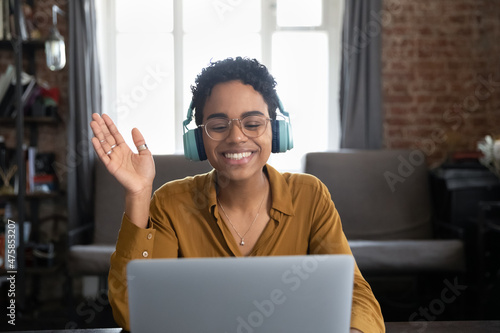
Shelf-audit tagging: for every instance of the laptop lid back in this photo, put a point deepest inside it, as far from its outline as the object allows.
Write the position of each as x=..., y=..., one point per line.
x=244, y=295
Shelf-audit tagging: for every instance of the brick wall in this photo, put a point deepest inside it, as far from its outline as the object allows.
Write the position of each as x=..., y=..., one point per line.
x=52, y=137
x=440, y=74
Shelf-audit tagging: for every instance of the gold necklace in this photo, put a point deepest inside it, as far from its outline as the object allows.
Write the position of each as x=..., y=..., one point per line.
x=242, y=242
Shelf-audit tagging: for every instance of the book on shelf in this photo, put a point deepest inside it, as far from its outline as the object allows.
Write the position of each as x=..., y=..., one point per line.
x=45, y=179
x=30, y=91
x=23, y=33
x=1, y=24
x=6, y=79
x=10, y=262
x=30, y=169
x=45, y=183
x=40, y=176
x=7, y=35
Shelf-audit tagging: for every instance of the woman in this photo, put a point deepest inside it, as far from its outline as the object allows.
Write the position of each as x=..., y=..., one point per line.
x=243, y=207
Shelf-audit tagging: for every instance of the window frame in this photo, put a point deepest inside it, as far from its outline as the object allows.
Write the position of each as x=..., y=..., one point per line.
x=332, y=16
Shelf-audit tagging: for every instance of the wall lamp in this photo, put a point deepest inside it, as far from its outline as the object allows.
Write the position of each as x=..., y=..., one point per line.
x=55, y=50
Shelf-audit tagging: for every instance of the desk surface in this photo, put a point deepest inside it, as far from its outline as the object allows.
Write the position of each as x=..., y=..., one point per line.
x=443, y=326
x=408, y=327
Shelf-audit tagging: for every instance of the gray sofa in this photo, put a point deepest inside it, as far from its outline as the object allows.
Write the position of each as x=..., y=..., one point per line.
x=382, y=196
x=384, y=202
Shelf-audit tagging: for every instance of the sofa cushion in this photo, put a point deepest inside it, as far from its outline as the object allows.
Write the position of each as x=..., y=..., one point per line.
x=379, y=194
x=408, y=256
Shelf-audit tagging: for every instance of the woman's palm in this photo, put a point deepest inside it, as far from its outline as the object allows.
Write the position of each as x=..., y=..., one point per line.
x=134, y=171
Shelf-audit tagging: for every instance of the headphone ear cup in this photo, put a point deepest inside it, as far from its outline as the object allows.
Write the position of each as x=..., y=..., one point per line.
x=287, y=137
x=193, y=145
x=276, y=136
x=200, y=147
x=282, y=136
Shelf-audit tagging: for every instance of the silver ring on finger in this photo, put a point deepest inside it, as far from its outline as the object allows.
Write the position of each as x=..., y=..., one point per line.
x=142, y=147
x=113, y=146
x=102, y=141
x=109, y=152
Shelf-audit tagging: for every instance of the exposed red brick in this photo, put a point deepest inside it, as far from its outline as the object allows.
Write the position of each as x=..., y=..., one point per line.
x=398, y=99
x=399, y=121
x=420, y=132
x=427, y=121
x=400, y=144
x=425, y=99
x=434, y=53
x=51, y=138
x=397, y=110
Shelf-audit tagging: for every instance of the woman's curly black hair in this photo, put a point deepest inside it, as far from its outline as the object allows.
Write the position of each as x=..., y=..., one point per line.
x=248, y=71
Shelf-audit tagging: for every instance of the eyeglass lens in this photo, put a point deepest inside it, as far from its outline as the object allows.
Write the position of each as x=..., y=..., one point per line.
x=251, y=126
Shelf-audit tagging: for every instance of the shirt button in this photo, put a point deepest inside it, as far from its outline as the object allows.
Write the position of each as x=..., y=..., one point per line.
x=150, y=235
x=145, y=254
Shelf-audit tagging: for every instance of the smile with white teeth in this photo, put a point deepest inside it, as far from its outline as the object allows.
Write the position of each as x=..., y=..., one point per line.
x=237, y=156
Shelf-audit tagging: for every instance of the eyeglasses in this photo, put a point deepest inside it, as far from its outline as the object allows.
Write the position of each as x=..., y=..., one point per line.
x=252, y=126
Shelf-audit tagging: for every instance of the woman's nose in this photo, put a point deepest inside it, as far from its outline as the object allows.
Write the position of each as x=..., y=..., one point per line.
x=235, y=132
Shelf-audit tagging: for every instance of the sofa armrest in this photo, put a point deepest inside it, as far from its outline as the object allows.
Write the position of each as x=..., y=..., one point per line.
x=81, y=234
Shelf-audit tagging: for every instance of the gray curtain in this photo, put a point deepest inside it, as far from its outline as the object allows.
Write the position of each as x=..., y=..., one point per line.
x=360, y=83
x=84, y=99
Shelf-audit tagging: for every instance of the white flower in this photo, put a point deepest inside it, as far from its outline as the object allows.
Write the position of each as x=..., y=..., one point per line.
x=496, y=150
x=491, y=154
x=485, y=147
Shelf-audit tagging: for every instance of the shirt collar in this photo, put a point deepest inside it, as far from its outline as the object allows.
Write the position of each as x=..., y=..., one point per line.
x=280, y=191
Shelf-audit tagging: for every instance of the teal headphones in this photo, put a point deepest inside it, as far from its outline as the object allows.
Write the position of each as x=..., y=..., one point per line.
x=193, y=139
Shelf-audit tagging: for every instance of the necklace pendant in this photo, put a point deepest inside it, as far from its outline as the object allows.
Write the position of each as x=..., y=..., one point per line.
x=242, y=242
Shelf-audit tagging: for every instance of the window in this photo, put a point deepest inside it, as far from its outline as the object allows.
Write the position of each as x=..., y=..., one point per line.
x=152, y=50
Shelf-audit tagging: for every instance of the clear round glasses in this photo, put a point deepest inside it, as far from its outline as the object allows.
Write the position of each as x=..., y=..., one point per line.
x=252, y=126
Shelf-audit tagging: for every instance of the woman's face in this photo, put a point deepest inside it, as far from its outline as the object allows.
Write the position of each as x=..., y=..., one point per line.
x=238, y=157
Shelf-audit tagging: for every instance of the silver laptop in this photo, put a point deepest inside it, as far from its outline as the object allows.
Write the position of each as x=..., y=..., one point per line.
x=241, y=295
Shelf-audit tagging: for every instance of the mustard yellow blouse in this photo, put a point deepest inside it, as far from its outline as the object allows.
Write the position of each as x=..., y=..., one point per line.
x=185, y=222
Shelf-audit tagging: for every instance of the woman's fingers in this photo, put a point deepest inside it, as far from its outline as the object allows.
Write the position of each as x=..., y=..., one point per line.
x=107, y=137
x=101, y=130
x=112, y=130
x=103, y=154
x=139, y=142
x=102, y=145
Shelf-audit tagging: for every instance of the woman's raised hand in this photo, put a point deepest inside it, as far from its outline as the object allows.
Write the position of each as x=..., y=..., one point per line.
x=134, y=171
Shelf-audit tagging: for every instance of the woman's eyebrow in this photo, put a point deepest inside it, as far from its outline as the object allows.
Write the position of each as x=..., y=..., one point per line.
x=217, y=115
x=252, y=113
x=245, y=114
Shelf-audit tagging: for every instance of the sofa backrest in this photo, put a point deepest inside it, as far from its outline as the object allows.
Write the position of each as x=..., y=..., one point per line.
x=379, y=194
x=110, y=197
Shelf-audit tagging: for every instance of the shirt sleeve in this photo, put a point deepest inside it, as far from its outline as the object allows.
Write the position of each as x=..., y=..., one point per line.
x=158, y=240
x=327, y=237
x=133, y=243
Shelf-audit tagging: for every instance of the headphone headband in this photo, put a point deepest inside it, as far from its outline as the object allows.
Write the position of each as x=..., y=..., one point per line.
x=189, y=116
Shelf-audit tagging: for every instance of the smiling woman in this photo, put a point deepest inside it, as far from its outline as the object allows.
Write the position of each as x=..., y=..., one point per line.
x=249, y=208
x=149, y=60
